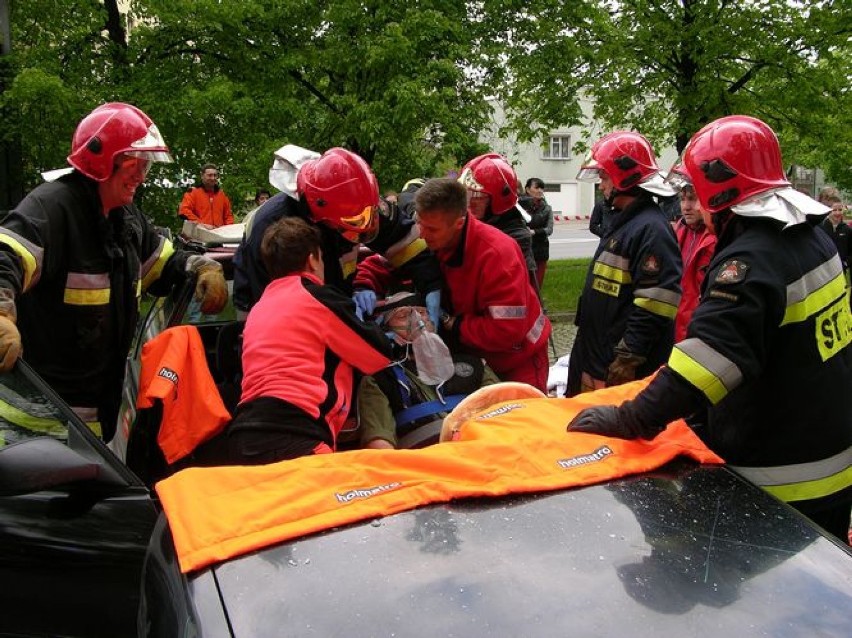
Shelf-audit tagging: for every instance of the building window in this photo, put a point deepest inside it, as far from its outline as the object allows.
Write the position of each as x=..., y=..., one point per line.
x=558, y=147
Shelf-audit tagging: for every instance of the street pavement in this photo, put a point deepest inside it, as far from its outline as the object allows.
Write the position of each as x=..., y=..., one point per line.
x=572, y=240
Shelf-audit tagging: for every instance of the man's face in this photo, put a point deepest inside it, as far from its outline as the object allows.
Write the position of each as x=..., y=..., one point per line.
x=690, y=207
x=440, y=230
x=209, y=178
x=128, y=174
x=477, y=204
x=606, y=185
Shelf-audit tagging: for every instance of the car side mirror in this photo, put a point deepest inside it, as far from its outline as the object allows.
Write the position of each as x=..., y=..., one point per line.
x=40, y=464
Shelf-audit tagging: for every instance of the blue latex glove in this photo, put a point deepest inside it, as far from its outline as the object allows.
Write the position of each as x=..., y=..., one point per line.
x=365, y=303
x=433, y=307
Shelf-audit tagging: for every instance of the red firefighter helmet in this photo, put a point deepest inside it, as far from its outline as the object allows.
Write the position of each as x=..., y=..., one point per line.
x=342, y=192
x=732, y=159
x=491, y=175
x=110, y=130
x=626, y=156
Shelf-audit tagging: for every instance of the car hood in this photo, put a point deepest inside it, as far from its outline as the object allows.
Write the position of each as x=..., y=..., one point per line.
x=691, y=550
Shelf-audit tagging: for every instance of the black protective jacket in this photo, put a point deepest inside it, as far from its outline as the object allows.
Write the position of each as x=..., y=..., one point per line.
x=78, y=277
x=767, y=355
x=631, y=294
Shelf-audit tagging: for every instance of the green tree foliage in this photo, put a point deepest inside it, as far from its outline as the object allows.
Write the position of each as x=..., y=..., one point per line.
x=667, y=67
x=229, y=82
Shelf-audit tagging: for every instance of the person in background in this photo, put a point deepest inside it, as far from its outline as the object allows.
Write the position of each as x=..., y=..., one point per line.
x=491, y=185
x=540, y=224
x=764, y=372
x=600, y=218
x=261, y=196
x=625, y=319
x=75, y=256
x=302, y=344
x=207, y=204
x=697, y=245
x=493, y=310
x=837, y=228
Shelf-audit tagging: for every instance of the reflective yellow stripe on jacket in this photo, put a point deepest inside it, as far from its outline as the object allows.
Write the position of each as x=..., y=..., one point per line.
x=814, y=290
x=31, y=256
x=658, y=301
x=803, y=481
x=712, y=373
x=153, y=266
x=613, y=267
x=86, y=289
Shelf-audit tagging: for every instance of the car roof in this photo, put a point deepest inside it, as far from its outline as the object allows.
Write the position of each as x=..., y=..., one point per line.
x=686, y=550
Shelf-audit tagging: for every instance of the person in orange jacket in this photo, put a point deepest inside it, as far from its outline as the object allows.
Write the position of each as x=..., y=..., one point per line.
x=207, y=204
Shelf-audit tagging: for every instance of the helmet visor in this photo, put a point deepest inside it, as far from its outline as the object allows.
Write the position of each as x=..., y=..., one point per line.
x=589, y=174
x=150, y=146
x=152, y=156
x=362, y=227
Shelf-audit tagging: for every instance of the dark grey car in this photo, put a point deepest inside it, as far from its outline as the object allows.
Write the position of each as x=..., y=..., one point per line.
x=686, y=551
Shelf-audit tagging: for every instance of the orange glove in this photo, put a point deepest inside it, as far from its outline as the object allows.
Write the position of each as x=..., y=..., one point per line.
x=10, y=343
x=210, y=287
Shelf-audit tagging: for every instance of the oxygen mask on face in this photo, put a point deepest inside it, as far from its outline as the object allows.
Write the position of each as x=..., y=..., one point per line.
x=411, y=326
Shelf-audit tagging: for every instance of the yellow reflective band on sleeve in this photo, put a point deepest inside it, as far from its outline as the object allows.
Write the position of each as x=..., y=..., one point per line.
x=408, y=253
x=348, y=267
x=28, y=260
x=702, y=378
x=660, y=308
x=153, y=269
x=82, y=297
x=50, y=427
x=612, y=273
x=815, y=301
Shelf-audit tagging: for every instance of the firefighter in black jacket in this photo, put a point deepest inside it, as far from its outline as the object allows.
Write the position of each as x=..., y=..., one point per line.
x=625, y=320
x=75, y=256
x=338, y=192
x=764, y=371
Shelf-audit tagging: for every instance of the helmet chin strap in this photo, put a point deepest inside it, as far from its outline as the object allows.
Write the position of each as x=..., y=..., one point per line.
x=721, y=219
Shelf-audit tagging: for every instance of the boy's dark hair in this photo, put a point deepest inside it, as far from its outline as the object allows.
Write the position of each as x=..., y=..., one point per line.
x=286, y=245
x=261, y=191
x=534, y=181
x=441, y=193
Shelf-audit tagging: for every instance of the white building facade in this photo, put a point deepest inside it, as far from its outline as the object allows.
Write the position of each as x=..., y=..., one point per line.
x=553, y=161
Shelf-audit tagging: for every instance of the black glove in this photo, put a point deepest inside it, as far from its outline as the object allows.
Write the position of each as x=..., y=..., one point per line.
x=608, y=420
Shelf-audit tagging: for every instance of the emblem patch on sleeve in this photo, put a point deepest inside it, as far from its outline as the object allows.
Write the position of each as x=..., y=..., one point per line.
x=732, y=271
x=651, y=265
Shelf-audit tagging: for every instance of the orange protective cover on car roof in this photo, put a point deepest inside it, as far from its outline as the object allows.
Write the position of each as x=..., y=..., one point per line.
x=512, y=447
